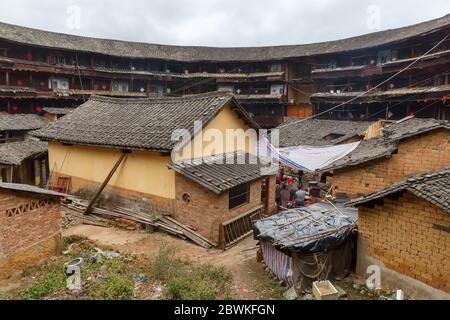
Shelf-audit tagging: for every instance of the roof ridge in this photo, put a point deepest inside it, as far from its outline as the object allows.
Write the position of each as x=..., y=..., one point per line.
x=430, y=175
x=194, y=97
x=213, y=157
x=115, y=47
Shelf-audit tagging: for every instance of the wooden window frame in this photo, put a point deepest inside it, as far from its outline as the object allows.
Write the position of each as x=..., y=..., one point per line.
x=238, y=197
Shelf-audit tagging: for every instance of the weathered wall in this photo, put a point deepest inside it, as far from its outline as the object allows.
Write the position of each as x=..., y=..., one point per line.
x=144, y=172
x=208, y=210
x=402, y=235
x=115, y=196
x=271, y=201
x=419, y=154
x=203, y=145
x=30, y=235
x=51, y=117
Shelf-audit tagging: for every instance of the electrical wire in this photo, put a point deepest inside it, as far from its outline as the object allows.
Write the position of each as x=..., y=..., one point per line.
x=376, y=87
x=79, y=76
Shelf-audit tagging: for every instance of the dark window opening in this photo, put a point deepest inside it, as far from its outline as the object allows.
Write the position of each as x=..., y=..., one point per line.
x=239, y=195
x=333, y=136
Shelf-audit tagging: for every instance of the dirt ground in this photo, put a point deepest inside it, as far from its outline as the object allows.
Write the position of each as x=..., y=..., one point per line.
x=239, y=260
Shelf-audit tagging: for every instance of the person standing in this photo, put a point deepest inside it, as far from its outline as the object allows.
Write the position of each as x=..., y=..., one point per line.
x=278, y=194
x=293, y=187
x=285, y=195
x=300, y=197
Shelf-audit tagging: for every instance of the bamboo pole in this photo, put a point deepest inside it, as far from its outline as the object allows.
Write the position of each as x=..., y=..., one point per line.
x=105, y=183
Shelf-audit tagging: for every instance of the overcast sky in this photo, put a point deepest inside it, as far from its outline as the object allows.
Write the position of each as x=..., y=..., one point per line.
x=220, y=22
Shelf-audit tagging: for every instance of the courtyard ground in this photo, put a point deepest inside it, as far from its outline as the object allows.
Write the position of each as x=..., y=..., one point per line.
x=155, y=266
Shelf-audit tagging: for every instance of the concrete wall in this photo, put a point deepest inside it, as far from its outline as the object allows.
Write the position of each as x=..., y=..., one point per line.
x=29, y=235
x=430, y=151
x=401, y=236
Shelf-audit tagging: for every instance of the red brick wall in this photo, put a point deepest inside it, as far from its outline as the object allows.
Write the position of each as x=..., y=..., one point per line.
x=29, y=237
x=208, y=210
x=29, y=228
x=272, y=205
x=419, y=154
x=401, y=235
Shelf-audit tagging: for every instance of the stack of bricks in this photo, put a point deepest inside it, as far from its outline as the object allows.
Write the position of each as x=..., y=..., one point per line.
x=27, y=236
x=403, y=234
x=427, y=152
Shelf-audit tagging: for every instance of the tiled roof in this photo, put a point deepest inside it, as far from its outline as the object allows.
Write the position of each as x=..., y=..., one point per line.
x=433, y=187
x=58, y=111
x=28, y=188
x=315, y=132
x=378, y=148
x=414, y=94
x=39, y=38
x=412, y=127
x=21, y=122
x=223, y=172
x=14, y=89
x=138, y=124
x=367, y=150
x=15, y=152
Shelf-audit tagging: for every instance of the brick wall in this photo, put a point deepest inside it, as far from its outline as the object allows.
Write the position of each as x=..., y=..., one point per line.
x=401, y=235
x=422, y=153
x=271, y=204
x=208, y=210
x=27, y=231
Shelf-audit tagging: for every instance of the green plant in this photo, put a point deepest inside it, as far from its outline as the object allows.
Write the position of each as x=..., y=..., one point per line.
x=53, y=280
x=190, y=287
x=186, y=281
x=166, y=266
x=118, y=285
x=114, y=287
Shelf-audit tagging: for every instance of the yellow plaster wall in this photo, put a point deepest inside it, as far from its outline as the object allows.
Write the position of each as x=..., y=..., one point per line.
x=227, y=119
x=144, y=172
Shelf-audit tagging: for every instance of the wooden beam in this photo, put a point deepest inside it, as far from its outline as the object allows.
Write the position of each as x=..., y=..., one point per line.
x=105, y=183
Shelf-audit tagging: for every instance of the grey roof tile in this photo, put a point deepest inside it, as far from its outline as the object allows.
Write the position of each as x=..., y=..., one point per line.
x=138, y=124
x=42, y=38
x=431, y=186
x=58, y=111
x=378, y=148
x=15, y=153
x=21, y=122
x=316, y=132
x=29, y=188
x=223, y=172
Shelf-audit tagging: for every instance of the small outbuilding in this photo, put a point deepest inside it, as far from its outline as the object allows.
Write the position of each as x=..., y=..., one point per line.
x=30, y=227
x=304, y=245
x=222, y=196
x=24, y=162
x=405, y=229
